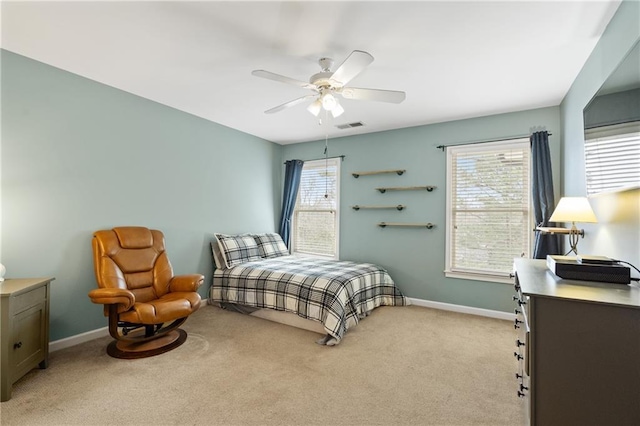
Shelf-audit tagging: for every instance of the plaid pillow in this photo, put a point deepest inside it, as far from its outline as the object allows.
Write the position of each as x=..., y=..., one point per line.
x=238, y=249
x=271, y=245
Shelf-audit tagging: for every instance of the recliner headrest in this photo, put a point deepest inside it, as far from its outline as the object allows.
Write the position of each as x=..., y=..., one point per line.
x=134, y=237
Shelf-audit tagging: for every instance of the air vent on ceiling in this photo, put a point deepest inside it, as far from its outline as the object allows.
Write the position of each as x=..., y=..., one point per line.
x=350, y=125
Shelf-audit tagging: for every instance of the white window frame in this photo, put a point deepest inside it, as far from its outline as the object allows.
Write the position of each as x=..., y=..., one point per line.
x=294, y=244
x=450, y=271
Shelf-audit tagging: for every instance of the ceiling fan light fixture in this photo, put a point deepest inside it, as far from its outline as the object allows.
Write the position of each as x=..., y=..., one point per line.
x=329, y=101
x=337, y=110
x=315, y=107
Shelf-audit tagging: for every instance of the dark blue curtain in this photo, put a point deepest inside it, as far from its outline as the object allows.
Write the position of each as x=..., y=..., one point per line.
x=292, y=175
x=542, y=194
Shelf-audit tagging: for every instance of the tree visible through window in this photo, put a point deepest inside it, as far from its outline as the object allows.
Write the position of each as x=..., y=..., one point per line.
x=315, y=217
x=488, y=208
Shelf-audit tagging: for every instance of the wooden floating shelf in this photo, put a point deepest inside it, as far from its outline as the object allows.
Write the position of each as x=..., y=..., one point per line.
x=399, y=172
x=407, y=225
x=398, y=207
x=406, y=188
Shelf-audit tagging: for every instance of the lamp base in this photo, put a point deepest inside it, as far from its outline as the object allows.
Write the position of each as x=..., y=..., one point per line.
x=574, y=234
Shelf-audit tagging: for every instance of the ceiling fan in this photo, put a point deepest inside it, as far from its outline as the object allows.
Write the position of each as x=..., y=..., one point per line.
x=327, y=84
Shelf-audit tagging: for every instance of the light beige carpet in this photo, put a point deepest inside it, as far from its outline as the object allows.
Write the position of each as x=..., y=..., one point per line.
x=401, y=365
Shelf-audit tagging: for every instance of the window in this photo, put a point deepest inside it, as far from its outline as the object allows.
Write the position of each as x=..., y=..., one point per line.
x=612, y=157
x=316, y=215
x=488, y=213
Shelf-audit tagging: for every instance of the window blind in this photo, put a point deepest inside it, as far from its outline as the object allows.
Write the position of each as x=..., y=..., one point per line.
x=612, y=157
x=489, y=216
x=315, y=217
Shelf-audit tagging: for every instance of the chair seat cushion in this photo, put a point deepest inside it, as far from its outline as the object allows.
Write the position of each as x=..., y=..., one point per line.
x=167, y=308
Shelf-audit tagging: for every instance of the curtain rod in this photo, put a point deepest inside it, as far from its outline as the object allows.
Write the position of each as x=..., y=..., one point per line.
x=442, y=147
x=323, y=158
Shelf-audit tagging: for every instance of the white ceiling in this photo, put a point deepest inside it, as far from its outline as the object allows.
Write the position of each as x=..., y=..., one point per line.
x=454, y=59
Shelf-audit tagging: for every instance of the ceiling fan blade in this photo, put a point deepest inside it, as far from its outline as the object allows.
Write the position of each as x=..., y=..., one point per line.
x=289, y=104
x=352, y=66
x=392, y=96
x=281, y=78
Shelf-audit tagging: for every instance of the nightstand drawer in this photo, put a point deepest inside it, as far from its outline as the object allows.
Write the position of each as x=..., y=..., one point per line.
x=29, y=299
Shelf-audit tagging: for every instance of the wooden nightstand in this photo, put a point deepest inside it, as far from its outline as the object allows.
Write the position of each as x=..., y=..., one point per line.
x=24, y=333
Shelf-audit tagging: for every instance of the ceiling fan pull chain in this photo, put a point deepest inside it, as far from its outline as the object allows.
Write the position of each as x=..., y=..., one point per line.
x=326, y=158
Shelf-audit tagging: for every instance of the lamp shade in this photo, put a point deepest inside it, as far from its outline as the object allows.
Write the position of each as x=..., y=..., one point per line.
x=573, y=209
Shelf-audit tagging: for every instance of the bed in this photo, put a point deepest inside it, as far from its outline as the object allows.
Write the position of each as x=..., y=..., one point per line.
x=257, y=273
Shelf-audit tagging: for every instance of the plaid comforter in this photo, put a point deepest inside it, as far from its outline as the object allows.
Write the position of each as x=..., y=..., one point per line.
x=336, y=293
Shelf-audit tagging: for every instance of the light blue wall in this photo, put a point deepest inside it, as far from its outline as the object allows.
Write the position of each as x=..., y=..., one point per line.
x=415, y=256
x=78, y=156
x=617, y=234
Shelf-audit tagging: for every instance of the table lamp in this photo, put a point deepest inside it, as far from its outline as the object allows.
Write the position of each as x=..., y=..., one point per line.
x=574, y=209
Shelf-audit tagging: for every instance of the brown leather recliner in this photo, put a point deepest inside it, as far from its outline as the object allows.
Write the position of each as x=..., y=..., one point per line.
x=140, y=293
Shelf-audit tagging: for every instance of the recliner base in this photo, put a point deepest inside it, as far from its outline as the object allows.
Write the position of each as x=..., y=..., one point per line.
x=126, y=349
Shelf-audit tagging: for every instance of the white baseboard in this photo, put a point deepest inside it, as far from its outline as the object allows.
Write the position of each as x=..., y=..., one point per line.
x=462, y=309
x=77, y=339
x=104, y=331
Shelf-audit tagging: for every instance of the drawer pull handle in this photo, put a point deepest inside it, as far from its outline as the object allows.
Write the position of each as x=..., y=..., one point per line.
x=520, y=394
x=518, y=376
x=523, y=387
x=517, y=311
x=519, y=343
x=517, y=355
x=17, y=345
x=517, y=299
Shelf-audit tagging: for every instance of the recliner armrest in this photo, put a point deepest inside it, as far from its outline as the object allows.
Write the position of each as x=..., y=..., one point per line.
x=110, y=296
x=188, y=282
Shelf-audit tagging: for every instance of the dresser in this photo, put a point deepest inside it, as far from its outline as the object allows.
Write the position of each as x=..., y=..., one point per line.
x=578, y=349
x=24, y=334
